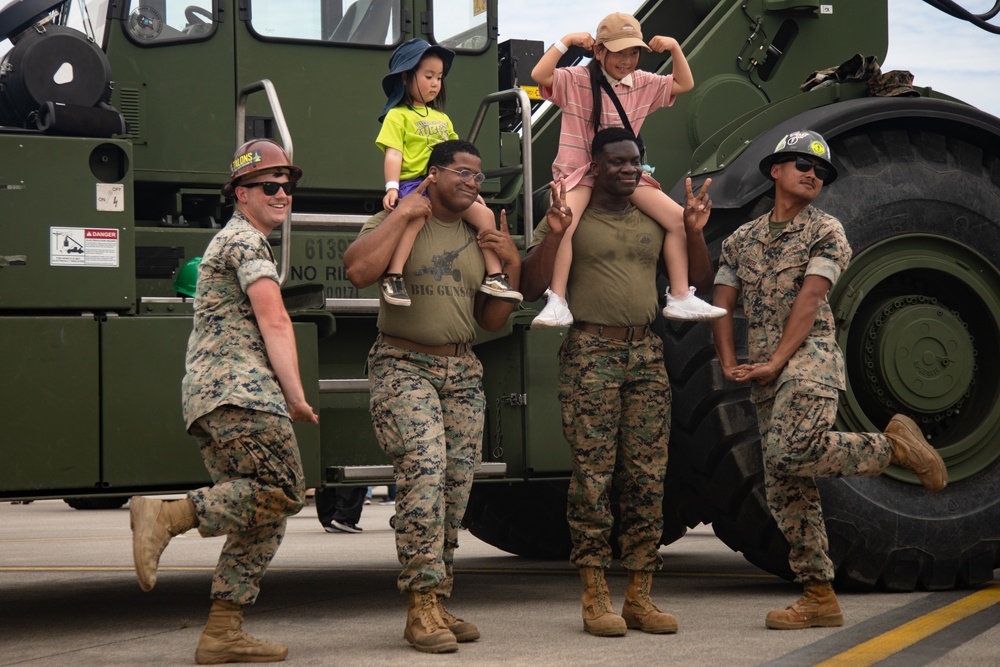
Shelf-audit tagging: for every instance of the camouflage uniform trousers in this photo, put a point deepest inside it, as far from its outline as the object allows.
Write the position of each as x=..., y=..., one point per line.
x=428, y=412
x=799, y=445
x=255, y=465
x=615, y=407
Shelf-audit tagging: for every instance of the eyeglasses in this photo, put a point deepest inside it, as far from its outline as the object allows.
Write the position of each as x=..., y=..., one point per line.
x=804, y=164
x=465, y=175
x=271, y=188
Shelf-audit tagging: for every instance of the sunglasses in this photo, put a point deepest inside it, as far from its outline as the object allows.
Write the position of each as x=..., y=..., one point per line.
x=465, y=175
x=804, y=164
x=271, y=188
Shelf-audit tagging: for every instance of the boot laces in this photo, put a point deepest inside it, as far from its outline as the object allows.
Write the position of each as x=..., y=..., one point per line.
x=429, y=615
x=601, y=588
x=642, y=594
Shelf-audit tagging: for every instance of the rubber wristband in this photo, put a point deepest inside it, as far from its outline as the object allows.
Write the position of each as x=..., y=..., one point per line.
x=560, y=47
x=391, y=185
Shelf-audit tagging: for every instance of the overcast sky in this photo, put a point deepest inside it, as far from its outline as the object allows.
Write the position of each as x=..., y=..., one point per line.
x=947, y=54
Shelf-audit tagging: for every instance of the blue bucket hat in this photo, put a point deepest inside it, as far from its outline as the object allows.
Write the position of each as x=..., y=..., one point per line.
x=405, y=58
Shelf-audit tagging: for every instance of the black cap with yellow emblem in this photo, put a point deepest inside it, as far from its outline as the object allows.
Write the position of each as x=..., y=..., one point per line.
x=801, y=142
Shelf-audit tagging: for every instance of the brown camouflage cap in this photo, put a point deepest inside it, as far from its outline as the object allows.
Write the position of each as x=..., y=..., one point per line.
x=897, y=83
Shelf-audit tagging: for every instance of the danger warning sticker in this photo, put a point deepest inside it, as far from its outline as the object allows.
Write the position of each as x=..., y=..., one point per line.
x=78, y=246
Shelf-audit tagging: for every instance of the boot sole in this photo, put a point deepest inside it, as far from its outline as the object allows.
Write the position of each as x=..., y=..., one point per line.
x=141, y=510
x=205, y=658
x=833, y=621
x=509, y=297
x=449, y=647
x=614, y=632
x=663, y=630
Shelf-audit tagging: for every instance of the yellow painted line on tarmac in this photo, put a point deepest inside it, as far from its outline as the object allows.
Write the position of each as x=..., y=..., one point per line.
x=879, y=648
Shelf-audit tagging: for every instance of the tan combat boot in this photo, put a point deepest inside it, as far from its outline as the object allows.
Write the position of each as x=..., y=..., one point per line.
x=153, y=523
x=913, y=452
x=817, y=608
x=639, y=611
x=223, y=639
x=463, y=630
x=598, y=616
x=425, y=629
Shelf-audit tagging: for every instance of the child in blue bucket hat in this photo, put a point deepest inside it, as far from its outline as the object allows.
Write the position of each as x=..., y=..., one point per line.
x=413, y=122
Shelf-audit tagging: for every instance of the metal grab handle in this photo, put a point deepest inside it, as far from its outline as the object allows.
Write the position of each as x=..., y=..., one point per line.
x=525, y=167
x=286, y=143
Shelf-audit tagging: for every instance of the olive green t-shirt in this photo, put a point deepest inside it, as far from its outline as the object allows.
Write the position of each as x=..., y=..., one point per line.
x=613, y=277
x=443, y=275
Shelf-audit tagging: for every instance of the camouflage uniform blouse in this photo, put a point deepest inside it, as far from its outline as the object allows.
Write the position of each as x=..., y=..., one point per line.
x=227, y=362
x=769, y=273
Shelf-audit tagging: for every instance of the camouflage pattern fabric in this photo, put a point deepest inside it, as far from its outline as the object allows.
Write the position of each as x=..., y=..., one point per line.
x=769, y=273
x=258, y=482
x=428, y=412
x=226, y=360
x=615, y=407
x=897, y=83
x=799, y=445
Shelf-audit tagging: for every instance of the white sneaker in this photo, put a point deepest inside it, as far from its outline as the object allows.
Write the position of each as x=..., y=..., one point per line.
x=690, y=308
x=554, y=314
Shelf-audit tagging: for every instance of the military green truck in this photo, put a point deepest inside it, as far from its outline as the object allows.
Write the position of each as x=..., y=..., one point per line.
x=118, y=120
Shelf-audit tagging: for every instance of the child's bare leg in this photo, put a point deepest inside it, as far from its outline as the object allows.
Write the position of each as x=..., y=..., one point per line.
x=682, y=304
x=481, y=217
x=393, y=285
x=495, y=283
x=556, y=311
x=668, y=214
x=404, y=247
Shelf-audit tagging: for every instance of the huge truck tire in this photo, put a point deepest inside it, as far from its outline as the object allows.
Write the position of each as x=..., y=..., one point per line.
x=529, y=519
x=94, y=503
x=918, y=314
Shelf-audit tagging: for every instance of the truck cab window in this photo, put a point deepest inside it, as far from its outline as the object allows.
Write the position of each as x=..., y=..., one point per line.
x=462, y=25
x=361, y=22
x=155, y=22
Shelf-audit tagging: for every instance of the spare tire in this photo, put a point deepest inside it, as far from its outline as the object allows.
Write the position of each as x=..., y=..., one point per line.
x=95, y=503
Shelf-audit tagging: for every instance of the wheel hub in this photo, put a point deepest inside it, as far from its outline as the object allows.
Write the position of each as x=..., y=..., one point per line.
x=920, y=354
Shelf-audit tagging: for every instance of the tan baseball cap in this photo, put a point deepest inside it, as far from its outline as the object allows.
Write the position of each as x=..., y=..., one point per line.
x=619, y=31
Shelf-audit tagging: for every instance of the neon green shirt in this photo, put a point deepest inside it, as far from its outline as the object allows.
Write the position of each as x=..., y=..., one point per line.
x=414, y=132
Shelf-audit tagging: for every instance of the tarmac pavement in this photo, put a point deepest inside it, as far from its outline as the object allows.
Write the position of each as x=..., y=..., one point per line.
x=68, y=596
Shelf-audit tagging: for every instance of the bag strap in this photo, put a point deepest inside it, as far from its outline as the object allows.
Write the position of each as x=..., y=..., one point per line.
x=606, y=85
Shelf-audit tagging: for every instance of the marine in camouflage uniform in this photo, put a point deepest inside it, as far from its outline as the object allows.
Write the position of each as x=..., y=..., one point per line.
x=796, y=411
x=240, y=395
x=235, y=409
x=613, y=384
x=783, y=265
x=427, y=400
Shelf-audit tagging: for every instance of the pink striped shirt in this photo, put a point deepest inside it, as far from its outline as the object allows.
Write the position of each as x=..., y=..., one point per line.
x=572, y=93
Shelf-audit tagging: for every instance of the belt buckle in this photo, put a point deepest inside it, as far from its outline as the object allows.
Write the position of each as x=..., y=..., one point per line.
x=629, y=334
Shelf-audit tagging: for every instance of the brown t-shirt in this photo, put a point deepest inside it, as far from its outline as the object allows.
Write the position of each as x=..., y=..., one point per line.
x=443, y=274
x=613, y=277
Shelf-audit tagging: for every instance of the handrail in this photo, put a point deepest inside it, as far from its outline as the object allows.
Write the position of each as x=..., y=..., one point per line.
x=525, y=166
x=286, y=143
